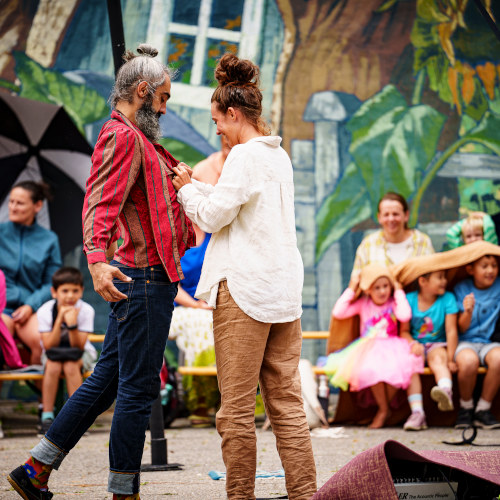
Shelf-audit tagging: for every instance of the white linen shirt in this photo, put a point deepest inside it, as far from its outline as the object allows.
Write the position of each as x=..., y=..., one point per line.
x=250, y=213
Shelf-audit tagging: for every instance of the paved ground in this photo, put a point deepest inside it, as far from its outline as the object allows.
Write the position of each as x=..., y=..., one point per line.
x=84, y=473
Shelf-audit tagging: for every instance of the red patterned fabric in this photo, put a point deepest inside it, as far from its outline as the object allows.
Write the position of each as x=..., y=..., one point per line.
x=130, y=193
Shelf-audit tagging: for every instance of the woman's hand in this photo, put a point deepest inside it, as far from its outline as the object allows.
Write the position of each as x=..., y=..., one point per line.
x=182, y=176
x=201, y=304
x=22, y=314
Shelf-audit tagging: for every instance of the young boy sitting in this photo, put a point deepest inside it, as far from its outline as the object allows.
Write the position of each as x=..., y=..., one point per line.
x=477, y=226
x=432, y=332
x=478, y=299
x=64, y=323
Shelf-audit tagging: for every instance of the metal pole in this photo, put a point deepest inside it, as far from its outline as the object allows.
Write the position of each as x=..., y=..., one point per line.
x=116, y=31
x=159, y=460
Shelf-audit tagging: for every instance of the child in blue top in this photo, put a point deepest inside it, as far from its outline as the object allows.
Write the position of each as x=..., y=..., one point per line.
x=478, y=299
x=432, y=332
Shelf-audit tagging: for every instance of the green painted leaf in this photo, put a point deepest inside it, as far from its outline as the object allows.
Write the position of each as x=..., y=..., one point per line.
x=348, y=205
x=495, y=103
x=385, y=101
x=83, y=104
x=487, y=132
x=429, y=10
x=479, y=104
x=430, y=56
x=9, y=85
x=182, y=151
x=386, y=5
x=368, y=152
x=410, y=148
x=393, y=143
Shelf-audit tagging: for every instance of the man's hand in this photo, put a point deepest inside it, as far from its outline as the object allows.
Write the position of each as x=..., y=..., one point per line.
x=182, y=177
x=22, y=314
x=102, y=276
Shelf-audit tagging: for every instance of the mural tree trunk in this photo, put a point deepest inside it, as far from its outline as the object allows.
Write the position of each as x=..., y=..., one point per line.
x=340, y=45
x=36, y=28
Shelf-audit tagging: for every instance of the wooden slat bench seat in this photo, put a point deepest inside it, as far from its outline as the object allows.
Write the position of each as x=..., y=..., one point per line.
x=348, y=412
x=33, y=376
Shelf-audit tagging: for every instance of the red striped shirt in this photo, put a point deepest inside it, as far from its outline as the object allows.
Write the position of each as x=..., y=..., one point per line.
x=130, y=193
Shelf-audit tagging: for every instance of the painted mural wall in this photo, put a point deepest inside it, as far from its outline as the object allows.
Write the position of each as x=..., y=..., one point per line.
x=369, y=96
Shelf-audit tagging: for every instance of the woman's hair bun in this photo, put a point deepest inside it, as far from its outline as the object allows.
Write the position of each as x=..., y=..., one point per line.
x=145, y=49
x=233, y=70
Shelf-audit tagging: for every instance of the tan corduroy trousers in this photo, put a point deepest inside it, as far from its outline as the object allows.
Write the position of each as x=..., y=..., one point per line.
x=249, y=352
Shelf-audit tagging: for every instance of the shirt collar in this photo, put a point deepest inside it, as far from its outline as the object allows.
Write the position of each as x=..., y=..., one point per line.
x=270, y=140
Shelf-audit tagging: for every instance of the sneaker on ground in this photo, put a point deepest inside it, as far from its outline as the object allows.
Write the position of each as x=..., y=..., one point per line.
x=20, y=481
x=44, y=426
x=464, y=418
x=442, y=397
x=485, y=420
x=416, y=422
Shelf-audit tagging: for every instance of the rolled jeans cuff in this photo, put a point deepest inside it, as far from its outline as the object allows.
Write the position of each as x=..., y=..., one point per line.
x=124, y=483
x=48, y=453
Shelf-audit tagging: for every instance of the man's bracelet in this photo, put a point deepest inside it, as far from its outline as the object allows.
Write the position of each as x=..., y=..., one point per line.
x=72, y=327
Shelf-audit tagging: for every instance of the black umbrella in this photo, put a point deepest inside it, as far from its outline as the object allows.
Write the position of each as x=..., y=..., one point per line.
x=39, y=141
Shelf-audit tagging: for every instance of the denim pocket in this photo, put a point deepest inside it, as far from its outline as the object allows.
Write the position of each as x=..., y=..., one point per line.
x=120, y=308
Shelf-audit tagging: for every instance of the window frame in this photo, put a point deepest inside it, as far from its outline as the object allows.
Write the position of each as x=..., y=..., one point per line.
x=195, y=94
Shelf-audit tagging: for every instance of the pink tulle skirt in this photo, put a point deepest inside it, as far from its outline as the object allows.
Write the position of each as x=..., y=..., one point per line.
x=370, y=360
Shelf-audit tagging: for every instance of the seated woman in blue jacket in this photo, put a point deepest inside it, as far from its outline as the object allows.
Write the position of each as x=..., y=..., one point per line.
x=29, y=255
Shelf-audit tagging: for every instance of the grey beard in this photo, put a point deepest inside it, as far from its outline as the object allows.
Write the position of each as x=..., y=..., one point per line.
x=148, y=120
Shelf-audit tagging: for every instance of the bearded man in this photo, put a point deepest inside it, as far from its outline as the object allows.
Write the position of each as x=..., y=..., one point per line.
x=129, y=194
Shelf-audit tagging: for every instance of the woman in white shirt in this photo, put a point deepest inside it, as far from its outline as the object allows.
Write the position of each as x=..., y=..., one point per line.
x=395, y=242
x=252, y=276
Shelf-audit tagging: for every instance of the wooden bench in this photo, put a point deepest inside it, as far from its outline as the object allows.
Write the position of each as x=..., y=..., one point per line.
x=33, y=376
x=348, y=411
x=212, y=370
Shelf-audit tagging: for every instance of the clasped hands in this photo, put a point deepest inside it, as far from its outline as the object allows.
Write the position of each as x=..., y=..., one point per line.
x=182, y=175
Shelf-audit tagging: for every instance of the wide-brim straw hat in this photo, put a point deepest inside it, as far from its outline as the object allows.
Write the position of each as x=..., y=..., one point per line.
x=453, y=262
x=371, y=273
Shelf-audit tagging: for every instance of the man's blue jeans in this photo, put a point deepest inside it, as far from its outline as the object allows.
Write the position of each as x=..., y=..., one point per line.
x=128, y=370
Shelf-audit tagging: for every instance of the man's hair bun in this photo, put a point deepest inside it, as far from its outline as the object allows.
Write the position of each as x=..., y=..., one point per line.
x=235, y=71
x=145, y=49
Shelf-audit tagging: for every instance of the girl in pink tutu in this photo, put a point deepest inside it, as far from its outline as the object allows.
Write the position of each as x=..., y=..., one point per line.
x=379, y=358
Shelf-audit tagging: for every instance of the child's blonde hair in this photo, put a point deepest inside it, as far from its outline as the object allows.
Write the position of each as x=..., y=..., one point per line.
x=472, y=222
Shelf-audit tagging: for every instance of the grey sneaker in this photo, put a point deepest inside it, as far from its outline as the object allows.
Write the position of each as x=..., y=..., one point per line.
x=464, y=418
x=442, y=396
x=416, y=422
x=485, y=420
x=44, y=427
